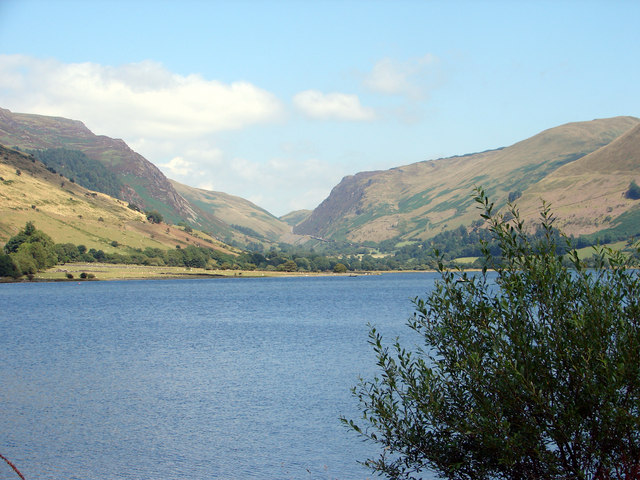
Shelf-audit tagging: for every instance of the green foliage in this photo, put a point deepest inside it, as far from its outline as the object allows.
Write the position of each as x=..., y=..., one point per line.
x=531, y=372
x=7, y=266
x=634, y=191
x=340, y=268
x=288, y=266
x=86, y=171
x=31, y=250
x=25, y=263
x=154, y=216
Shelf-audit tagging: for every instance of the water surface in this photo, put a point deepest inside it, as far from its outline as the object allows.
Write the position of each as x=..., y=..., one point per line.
x=201, y=379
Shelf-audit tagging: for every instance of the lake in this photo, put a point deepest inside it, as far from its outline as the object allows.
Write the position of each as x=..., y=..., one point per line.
x=200, y=379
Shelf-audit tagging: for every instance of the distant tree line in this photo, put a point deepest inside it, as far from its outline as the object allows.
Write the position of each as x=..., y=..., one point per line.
x=32, y=250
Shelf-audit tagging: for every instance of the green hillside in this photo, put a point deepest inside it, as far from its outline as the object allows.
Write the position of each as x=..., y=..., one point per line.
x=418, y=201
x=85, y=171
x=143, y=183
x=241, y=220
x=296, y=217
x=70, y=213
x=589, y=195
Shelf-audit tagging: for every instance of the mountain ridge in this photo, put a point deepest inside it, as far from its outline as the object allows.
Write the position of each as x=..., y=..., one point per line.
x=407, y=203
x=419, y=200
x=144, y=185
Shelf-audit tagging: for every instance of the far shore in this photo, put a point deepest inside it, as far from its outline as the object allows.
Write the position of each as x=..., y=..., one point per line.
x=73, y=272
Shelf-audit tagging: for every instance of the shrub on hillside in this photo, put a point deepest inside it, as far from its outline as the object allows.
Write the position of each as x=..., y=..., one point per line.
x=634, y=191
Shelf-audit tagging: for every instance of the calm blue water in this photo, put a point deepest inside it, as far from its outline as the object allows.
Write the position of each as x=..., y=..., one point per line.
x=199, y=379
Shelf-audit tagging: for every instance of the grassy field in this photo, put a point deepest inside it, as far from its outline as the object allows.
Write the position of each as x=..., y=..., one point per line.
x=107, y=271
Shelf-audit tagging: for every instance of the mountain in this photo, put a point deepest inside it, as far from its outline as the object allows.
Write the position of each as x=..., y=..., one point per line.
x=138, y=181
x=144, y=184
x=418, y=201
x=583, y=169
x=69, y=213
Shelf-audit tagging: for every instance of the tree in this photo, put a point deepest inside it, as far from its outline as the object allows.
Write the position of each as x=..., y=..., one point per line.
x=288, y=266
x=154, y=216
x=7, y=267
x=531, y=372
x=634, y=191
x=31, y=250
x=340, y=268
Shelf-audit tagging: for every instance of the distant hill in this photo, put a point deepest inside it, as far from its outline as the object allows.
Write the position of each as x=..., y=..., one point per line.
x=237, y=214
x=296, y=217
x=417, y=201
x=583, y=169
x=69, y=213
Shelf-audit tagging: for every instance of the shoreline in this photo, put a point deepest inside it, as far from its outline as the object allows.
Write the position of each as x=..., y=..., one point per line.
x=111, y=272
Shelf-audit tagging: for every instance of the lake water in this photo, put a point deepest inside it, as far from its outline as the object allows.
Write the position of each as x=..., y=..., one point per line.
x=200, y=379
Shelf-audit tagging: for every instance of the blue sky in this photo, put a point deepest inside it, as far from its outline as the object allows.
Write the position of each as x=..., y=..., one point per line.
x=276, y=101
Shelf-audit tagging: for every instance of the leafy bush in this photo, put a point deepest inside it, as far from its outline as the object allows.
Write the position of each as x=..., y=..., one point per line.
x=340, y=268
x=529, y=373
x=634, y=191
x=31, y=250
x=153, y=216
x=7, y=267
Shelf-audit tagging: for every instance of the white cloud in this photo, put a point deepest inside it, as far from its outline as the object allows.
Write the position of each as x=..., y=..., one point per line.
x=177, y=167
x=278, y=185
x=337, y=106
x=183, y=124
x=407, y=78
x=135, y=100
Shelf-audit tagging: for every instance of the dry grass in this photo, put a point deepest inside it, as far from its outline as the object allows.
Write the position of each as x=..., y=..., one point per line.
x=72, y=214
x=107, y=271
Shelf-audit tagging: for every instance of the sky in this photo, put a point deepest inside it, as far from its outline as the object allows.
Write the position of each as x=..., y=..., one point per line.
x=277, y=101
